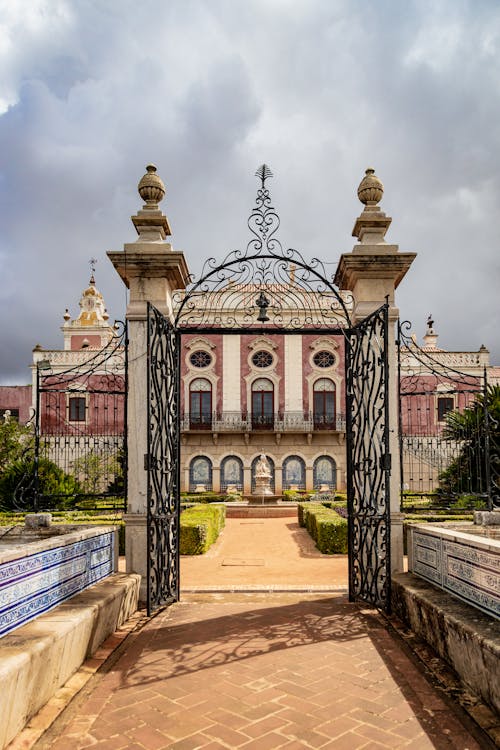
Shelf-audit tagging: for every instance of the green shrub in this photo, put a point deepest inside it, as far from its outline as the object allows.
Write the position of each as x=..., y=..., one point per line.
x=331, y=534
x=297, y=495
x=326, y=527
x=464, y=502
x=304, y=511
x=203, y=497
x=17, y=484
x=200, y=527
x=334, y=504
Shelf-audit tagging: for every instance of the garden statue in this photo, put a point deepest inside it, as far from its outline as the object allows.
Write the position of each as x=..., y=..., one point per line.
x=263, y=476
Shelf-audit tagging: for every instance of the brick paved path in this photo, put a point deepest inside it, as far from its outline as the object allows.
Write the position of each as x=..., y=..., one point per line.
x=263, y=552
x=261, y=671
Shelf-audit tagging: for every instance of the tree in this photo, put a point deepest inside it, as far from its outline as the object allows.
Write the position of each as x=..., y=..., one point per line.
x=476, y=432
x=18, y=485
x=16, y=443
x=95, y=471
x=18, y=482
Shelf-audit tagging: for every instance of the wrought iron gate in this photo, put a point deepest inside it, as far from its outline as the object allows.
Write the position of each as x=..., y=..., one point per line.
x=80, y=447
x=268, y=289
x=163, y=464
x=449, y=438
x=368, y=460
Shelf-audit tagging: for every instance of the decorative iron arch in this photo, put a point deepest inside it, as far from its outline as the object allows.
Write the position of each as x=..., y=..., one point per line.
x=250, y=288
x=262, y=284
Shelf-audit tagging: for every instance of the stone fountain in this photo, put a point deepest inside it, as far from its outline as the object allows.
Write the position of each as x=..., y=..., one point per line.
x=262, y=477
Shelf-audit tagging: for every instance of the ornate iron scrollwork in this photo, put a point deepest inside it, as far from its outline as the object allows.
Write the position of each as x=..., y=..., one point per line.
x=449, y=442
x=368, y=460
x=80, y=426
x=163, y=461
x=298, y=294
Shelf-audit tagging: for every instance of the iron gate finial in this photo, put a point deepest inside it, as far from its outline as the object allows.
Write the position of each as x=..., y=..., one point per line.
x=263, y=173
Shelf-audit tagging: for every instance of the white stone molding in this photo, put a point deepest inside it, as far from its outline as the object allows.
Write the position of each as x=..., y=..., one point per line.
x=77, y=390
x=263, y=342
x=201, y=374
x=326, y=343
x=330, y=374
x=200, y=343
x=293, y=373
x=231, y=373
x=256, y=374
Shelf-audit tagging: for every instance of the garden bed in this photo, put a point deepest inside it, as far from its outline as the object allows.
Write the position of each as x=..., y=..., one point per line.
x=326, y=526
x=200, y=528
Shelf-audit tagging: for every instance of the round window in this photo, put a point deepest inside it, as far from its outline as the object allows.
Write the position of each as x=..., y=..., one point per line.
x=324, y=359
x=200, y=359
x=262, y=359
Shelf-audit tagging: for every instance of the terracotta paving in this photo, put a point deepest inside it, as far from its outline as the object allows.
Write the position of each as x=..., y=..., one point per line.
x=263, y=553
x=262, y=670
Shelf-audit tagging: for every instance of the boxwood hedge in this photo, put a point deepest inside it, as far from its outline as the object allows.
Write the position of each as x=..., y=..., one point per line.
x=326, y=526
x=200, y=527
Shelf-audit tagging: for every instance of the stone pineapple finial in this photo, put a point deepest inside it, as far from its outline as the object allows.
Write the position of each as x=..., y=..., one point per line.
x=151, y=187
x=371, y=189
x=150, y=222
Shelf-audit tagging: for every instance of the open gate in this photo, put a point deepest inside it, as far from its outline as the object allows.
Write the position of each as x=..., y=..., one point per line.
x=266, y=289
x=163, y=461
x=368, y=460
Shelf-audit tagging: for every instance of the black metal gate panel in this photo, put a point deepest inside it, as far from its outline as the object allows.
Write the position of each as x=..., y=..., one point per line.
x=449, y=437
x=368, y=460
x=80, y=431
x=163, y=461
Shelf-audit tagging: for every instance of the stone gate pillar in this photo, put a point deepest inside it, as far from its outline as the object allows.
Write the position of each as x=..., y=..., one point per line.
x=372, y=272
x=151, y=270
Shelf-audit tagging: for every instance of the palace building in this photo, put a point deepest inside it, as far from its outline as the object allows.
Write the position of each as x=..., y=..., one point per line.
x=242, y=395
x=251, y=391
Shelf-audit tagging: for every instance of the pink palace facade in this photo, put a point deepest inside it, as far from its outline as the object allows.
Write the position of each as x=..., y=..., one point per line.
x=243, y=395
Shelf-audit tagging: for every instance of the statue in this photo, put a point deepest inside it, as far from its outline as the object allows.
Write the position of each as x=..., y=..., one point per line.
x=263, y=477
x=262, y=468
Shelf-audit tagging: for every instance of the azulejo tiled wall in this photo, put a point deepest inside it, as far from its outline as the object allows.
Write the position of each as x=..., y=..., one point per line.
x=465, y=565
x=33, y=584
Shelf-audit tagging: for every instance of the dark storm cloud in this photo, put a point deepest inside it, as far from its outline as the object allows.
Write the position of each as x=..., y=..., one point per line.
x=91, y=92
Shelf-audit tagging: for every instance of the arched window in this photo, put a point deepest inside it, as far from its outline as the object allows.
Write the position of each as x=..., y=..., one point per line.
x=200, y=404
x=271, y=466
x=294, y=473
x=262, y=404
x=325, y=474
x=324, y=404
x=200, y=474
x=231, y=473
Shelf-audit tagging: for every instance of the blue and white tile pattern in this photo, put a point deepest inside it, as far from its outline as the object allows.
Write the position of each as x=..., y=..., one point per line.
x=33, y=584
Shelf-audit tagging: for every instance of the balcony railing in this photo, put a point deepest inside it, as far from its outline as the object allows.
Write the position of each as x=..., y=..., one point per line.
x=288, y=421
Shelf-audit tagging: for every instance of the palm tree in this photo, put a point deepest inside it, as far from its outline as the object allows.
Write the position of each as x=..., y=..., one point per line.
x=476, y=432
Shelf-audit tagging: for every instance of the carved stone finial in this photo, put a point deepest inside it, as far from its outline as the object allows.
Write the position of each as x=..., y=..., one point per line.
x=371, y=189
x=151, y=187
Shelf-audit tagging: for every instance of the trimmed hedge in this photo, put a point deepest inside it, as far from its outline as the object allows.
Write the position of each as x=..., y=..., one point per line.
x=205, y=497
x=326, y=526
x=200, y=527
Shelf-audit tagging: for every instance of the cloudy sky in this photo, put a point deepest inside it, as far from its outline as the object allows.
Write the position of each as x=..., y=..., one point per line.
x=93, y=90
